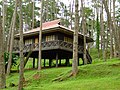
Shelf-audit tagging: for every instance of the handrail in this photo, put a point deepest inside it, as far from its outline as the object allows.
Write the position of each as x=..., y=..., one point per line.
x=49, y=44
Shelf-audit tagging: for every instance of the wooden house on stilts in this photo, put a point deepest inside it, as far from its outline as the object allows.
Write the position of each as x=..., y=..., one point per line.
x=57, y=44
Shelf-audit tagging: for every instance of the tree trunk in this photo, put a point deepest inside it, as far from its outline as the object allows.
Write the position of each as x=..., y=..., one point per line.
x=101, y=27
x=109, y=26
x=119, y=42
x=2, y=63
x=33, y=14
x=56, y=10
x=21, y=72
x=115, y=32
x=71, y=14
x=111, y=34
x=4, y=21
x=84, y=32
x=102, y=33
x=98, y=32
x=40, y=38
x=75, y=42
x=47, y=16
x=9, y=34
x=52, y=10
x=12, y=40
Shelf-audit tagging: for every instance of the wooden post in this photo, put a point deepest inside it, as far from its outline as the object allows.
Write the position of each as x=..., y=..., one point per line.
x=56, y=59
x=60, y=62
x=67, y=62
x=83, y=60
x=50, y=62
x=37, y=62
x=33, y=62
x=44, y=62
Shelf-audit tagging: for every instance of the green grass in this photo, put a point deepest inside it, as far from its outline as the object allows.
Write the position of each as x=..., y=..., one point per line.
x=97, y=76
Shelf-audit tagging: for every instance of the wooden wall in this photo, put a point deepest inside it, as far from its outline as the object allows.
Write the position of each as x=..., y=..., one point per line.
x=53, y=36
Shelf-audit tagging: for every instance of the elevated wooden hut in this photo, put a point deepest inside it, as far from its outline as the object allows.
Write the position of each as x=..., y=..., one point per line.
x=57, y=43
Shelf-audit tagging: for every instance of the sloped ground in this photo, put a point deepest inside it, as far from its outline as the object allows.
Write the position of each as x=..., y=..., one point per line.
x=97, y=76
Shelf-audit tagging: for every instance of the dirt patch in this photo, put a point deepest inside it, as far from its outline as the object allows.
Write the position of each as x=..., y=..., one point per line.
x=36, y=76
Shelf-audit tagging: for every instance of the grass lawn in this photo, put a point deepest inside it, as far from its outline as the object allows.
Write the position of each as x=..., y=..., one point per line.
x=97, y=76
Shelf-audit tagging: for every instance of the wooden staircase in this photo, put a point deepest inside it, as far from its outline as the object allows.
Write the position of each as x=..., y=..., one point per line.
x=89, y=58
x=27, y=55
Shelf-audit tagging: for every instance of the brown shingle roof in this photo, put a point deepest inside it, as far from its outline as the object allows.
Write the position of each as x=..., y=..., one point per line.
x=53, y=25
x=46, y=25
x=50, y=23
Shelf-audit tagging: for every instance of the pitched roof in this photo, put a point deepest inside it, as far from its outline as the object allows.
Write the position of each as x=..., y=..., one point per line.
x=50, y=23
x=46, y=25
x=50, y=26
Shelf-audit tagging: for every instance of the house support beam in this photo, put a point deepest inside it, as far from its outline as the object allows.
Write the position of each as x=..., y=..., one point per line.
x=37, y=62
x=83, y=60
x=67, y=62
x=33, y=62
x=44, y=62
x=60, y=62
x=56, y=59
x=50, y=62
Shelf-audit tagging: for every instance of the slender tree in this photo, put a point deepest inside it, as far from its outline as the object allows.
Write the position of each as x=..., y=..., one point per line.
x=47, y=18
x=12, y=40
x=98, y=34
x=105, y=3
x=21, y=73
x=75, y=42
x=71, y=13
x=4, y=20
x=115, y=31
x=97, y=24
x=102, y=32
x=101, y=25
x=40, y=37
x=84, y=32
x=10, y=31
x=9, y=35
x=2, y=63
x=53, y=9
x=33, y=14
x=111, y=32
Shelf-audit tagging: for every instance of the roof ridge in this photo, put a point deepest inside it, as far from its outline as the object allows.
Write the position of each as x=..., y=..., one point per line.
x=57, y=21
